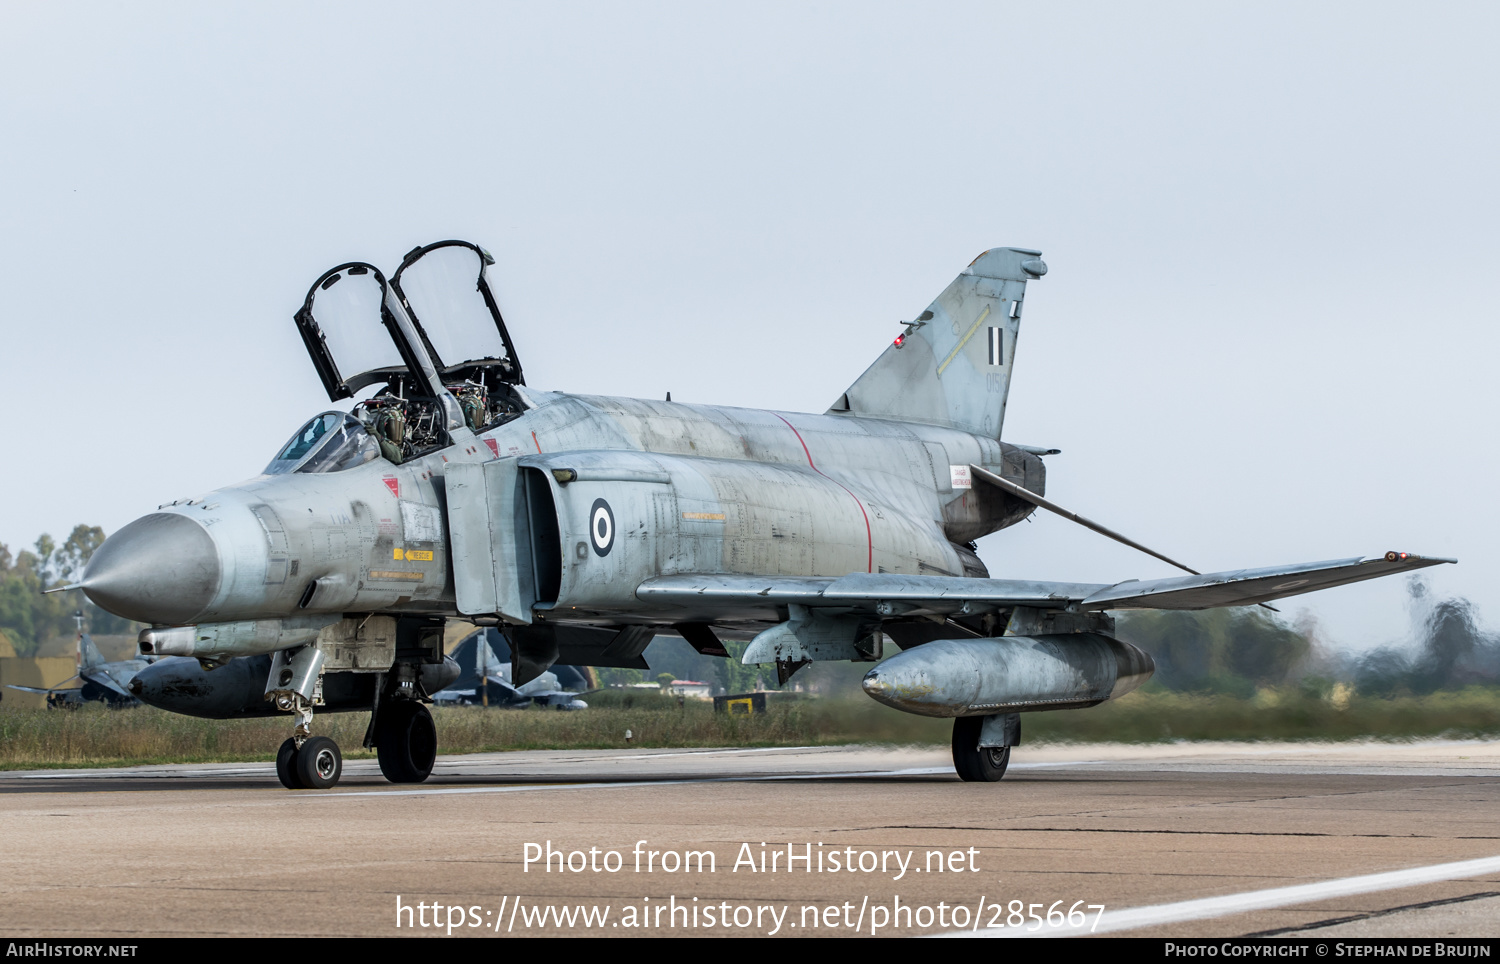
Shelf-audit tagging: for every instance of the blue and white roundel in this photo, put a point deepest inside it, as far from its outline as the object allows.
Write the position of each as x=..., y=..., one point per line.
x=601, y=527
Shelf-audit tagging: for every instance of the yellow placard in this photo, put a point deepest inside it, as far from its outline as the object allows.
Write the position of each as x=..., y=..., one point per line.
x=395, y=576
x=412, y=555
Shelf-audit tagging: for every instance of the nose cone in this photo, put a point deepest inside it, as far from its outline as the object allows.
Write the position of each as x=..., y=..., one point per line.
x=162, y=568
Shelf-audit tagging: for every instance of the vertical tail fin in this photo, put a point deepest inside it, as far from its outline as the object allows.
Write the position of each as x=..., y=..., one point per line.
x=953, y=366
x=88, y=654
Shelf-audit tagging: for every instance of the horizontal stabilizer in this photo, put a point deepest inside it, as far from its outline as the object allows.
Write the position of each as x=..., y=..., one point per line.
x=39, y=690
x=49, y=690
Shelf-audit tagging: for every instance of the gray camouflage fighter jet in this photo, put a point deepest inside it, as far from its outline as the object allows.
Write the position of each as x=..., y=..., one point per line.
x=98, y=680
x=587, y=525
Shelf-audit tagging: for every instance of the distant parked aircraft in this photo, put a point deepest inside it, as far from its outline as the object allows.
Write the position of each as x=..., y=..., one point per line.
x=486, y=679
x=99, y=681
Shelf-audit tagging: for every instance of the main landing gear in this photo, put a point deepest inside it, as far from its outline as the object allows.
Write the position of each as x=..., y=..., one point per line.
x=981, y=746
x=405, y=741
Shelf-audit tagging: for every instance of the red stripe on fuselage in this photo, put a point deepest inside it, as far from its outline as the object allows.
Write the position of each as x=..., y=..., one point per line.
x=869, y=539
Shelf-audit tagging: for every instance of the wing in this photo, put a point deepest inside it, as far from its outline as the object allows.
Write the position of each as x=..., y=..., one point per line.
x=705, y=598
x=1246, y=587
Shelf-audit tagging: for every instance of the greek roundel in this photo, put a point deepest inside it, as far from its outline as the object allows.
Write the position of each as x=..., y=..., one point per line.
x=601, y=527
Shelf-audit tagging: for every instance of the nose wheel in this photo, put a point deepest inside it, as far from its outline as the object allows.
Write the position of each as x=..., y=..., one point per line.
x=286, y=765
x=316, y=765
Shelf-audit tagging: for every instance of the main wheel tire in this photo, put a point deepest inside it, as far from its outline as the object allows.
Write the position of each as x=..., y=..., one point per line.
x=286, y=766
x=405, y=741
x=975, y=763
x=319, y=763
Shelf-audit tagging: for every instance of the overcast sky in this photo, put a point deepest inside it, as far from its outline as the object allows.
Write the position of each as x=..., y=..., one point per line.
x=1267, y=335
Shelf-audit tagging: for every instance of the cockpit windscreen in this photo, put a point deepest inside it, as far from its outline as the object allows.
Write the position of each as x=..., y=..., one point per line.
x=331, y=442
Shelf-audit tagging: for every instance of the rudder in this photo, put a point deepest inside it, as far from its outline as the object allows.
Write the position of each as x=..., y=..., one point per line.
x=954, y=368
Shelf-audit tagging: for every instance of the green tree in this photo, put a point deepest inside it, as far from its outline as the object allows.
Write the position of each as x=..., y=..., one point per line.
x=736, y=677
x=1220, y=650
x=42, y=563
x=618, y=676
x=27, y=615
x=69, y=561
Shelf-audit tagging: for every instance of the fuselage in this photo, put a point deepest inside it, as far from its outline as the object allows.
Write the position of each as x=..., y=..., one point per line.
x=689, y=488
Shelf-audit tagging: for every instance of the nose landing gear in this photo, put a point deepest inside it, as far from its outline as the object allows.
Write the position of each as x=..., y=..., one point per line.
x=303, y=762
x=319, y=763
x=286, y=765
x=316, y=765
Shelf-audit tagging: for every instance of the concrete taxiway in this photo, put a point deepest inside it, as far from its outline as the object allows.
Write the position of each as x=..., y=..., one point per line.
x=1327, y=841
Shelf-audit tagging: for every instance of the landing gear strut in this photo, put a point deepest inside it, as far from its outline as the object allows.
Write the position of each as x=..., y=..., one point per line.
x=977, y=763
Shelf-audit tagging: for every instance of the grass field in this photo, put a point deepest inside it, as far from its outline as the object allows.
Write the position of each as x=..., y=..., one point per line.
x=95, y=736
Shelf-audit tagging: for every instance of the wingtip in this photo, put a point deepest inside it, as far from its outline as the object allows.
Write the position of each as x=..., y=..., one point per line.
x=1394, y=556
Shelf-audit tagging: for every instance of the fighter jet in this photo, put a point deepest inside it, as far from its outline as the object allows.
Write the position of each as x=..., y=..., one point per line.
x=587, y=525
x=486, y=679
x=98, y=680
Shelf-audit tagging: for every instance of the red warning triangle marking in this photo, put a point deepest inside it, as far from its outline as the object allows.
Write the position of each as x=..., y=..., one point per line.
x=494, y=446
x=394, y=484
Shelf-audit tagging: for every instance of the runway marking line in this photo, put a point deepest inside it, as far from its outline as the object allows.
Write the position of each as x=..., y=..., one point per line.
x=687, y=781
x=369, y=765
x=163, y=770
x=1384, y=912
x=1209, y=907
x=631, y=784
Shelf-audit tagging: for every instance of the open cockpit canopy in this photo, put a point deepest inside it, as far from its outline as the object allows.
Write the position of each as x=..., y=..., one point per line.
x=432, y=339
x=350, y=334
x=443, y=288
